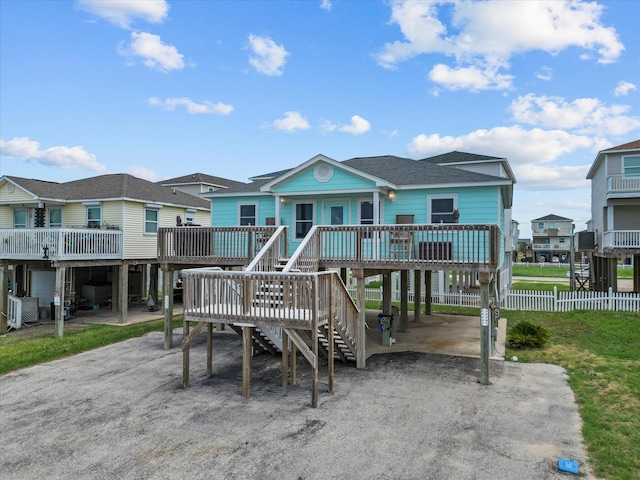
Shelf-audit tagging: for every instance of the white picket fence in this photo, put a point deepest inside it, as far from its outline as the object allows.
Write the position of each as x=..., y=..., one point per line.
x=541, y=301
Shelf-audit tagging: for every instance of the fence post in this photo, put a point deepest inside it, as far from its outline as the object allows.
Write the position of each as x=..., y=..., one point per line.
x=555, y=298
x=610, y=300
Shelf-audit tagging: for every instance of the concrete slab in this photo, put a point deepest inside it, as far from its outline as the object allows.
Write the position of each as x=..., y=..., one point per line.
x=120, y=412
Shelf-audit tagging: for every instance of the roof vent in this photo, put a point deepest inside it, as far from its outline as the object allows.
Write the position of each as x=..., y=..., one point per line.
x=323, y=172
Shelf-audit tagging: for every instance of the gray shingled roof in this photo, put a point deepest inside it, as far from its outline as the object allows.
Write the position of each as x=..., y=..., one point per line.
x=200, y=178
x=458, y=157
x=397, y=170
x=552, y=218
x=404, y=171
x=103, y=187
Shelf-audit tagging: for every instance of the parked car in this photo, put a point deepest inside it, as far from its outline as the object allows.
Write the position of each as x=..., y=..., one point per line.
x=580, y=273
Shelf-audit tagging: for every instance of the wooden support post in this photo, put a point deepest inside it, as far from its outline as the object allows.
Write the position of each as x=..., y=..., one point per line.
x=209, y=349
x=123, y=293
x=386, y=293
x=417, y=302
x=59, y=320
x=292, y=361
x=636, y=273
x=185, y=354
x=285, y=358
x=484, y=328
x=331, y=352
x=315, y=364
x=247, y=340
x=427, y=292
x=403, y=325
x=362, y=319
x=167, y=307
x=4, y=298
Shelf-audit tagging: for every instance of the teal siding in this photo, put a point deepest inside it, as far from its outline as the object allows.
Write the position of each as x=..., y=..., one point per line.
x=306, y=182
x=224, y=210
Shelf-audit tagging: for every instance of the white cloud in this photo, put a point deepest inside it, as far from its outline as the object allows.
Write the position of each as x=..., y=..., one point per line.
x=292, y=121
x=470, y=78
x=123, y=12
x=143, y=172
x=325, y=5
x=483, y=36
x=544, y=73
x=25, y=149
x=358, y=126
x=267, y=57
x=520, y=146
x=155, y=54
x=170, y=104
x=584, y=115
x=623, y=88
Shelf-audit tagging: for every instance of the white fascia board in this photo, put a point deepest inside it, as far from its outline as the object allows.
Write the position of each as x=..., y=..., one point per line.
x=454, y=185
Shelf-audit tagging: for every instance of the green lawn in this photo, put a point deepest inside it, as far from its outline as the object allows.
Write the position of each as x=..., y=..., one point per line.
x=601, y=352
x=555, y=271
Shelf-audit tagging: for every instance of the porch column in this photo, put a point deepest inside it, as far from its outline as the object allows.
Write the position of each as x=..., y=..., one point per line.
x=4, y=298
x=59, y=318
x=277, y=209
x=417, y=302
x=167, y=306
x=123, y=293
x=376, y=208
x=386, y=293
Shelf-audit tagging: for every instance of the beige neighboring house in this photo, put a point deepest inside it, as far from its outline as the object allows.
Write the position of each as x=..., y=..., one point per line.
x=199, y=183
x=84, y=244
x=551, y=239
x=615, y=214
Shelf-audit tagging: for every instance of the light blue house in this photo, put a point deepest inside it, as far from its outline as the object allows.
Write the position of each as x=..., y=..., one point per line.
x=272, y=254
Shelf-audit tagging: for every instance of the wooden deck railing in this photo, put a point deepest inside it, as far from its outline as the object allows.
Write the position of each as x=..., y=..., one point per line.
x=211, y=245
x=60, y=244
x=269, y=257
x=461, y=247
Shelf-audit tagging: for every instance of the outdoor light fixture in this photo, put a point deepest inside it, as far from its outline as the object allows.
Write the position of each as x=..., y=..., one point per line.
x=392, y=196
x=283, y=201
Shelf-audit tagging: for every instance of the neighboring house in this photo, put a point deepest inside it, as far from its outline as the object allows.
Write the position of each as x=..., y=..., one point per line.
x=615, y=213
x=198, y=183
x=87, y=240
x=551, y=238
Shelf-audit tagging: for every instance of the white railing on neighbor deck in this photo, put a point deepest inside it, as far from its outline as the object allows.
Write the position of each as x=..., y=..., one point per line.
x=621, y=239
x=623, y=183
x=60, y=243
x=540, y=301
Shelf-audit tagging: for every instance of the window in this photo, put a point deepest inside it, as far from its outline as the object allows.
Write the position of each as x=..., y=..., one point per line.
x=304, y=219
x=442, y=209
x=248, y=214
x=366, y=213
x=55, y=217
x=20, y=218
x=337, y=215
x=552, y=225
x=190, y=217
x=151, y=220
x=561, y=240
x=541, y=225
x=94, y=217
x=632, y=165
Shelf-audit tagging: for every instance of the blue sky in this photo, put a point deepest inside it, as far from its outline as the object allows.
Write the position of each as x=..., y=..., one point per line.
x=161, y=88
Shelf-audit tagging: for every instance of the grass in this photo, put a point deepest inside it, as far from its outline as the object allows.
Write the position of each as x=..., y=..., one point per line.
x=601, y=352
x=555, y=271
x=21, y=350
x=539, y=286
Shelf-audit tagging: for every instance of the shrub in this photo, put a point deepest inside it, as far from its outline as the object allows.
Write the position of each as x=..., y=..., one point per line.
x=528, y=335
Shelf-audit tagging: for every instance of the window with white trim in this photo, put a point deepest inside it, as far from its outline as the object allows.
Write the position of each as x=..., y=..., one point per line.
x=19, y=218
x=303, y=219
x=632, y=165
x=441, y=208
x=94, y=216
x=55, y=217
x=151, y=218
x=247, y=214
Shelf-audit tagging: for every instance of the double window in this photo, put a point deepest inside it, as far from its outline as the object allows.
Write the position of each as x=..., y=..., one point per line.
x=151, y=217
x=632, y=165
x=55, y=217
x=20, y=218
x=442, y=208
x=247, y=214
